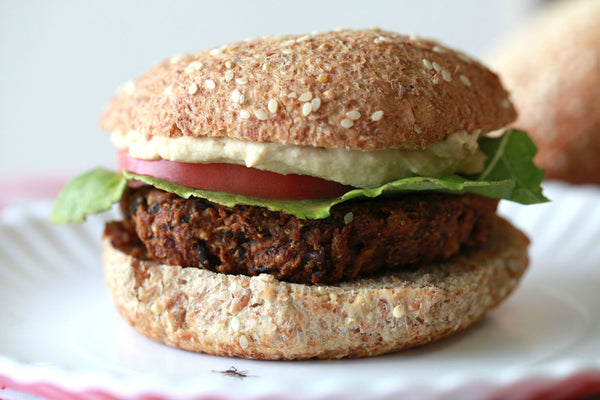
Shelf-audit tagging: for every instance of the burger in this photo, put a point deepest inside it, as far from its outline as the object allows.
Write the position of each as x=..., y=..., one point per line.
x=552, y=66
x=325, y=195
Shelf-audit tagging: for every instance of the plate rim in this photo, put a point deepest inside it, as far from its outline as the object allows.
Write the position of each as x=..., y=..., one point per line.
x=112, y=384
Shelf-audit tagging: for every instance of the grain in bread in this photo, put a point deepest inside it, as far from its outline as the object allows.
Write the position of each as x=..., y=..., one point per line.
x=262, y=318
x=349, y=89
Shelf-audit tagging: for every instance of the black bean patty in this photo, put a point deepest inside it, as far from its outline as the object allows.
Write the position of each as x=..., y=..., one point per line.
x=358, y=239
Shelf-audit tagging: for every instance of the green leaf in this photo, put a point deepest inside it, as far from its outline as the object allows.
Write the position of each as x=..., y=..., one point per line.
x=511, y=157
x=87, y=194
x=509, y=173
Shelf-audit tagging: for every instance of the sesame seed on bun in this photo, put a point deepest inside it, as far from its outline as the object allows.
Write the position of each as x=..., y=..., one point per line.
x=339, y=89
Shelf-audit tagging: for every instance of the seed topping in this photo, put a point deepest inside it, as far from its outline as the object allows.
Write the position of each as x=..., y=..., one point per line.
x=446, y=75
x=272, y=105
x=315, y=103
x=382, y=39
x=349, y=217
x=209, y=83
x=236, y=96
x=377, y=115
x=398, y=311
x=235, y=324
x=323, y=78
x=353, y=115
x=194, y=66
x=243, y=341
x=193, y=89
x=261, y=115
x=306, y=96
x=176, y=59
x=306, y=109
x=347, y=123
x=465, y=80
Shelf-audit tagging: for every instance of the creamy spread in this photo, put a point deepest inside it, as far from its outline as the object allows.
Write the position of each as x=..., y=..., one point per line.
x=458, y=154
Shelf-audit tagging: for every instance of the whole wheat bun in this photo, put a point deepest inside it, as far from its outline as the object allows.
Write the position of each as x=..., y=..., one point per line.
x=552, y=68
x=262, y=318
x=349, y=89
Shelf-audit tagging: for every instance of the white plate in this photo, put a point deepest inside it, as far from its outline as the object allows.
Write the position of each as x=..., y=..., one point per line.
x=61, y=337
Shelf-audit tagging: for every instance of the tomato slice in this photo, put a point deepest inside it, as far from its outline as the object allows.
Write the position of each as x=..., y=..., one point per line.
x=237, y=179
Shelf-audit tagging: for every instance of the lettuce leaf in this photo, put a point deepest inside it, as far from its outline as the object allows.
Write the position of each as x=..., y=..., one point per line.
x=88, y=194
x=509, y=173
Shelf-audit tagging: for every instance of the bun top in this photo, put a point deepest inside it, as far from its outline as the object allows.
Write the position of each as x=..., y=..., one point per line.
x=552, y=67
x=349, y=89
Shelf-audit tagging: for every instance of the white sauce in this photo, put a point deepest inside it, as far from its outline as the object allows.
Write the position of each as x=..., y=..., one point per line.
x=459, y=153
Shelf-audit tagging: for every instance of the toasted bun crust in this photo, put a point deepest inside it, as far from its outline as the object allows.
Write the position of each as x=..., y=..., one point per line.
x=552, y=67
x=262, y=318
x=365, y=89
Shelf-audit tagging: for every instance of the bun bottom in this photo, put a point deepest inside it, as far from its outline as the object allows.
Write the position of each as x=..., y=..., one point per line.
x=263, y=318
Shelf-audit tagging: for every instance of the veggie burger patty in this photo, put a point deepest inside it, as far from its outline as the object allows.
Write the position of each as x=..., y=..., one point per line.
x=356, y=240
